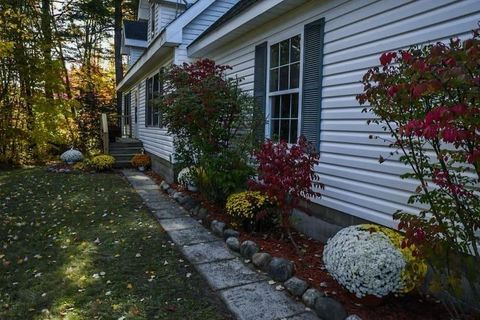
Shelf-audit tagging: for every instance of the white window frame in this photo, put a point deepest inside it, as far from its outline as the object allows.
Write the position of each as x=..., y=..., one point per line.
x=285, y=35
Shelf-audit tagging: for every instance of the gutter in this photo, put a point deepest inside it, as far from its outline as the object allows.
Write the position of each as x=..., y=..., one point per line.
x=170, y=36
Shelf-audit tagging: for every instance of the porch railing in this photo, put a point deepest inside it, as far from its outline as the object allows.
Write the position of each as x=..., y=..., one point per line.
x=126, y=125
x=104, y=133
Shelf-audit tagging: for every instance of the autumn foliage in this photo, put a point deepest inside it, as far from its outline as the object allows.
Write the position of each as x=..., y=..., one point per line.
x=428, y=99
x=286, y=175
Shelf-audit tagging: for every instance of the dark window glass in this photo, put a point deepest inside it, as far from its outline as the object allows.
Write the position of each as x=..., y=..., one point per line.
x=276, y=107
x=294, y=108
x=293, y=130
x=275, y=130
x=283, y=78
x=274, y=56
x=284, y=129
x=294, y=75
x=285, y=106
x=295, y=49
x=284, y=49
x=152, y=18
x=274, y=80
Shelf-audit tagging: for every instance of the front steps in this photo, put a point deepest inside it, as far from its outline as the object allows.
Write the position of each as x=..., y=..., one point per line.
x=123, y=150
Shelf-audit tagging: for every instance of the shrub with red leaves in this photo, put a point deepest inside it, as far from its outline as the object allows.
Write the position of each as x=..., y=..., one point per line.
x=285, y=173
x=428, y=99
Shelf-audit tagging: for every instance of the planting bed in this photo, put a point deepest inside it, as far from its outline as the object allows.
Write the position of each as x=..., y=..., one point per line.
x=309, y=267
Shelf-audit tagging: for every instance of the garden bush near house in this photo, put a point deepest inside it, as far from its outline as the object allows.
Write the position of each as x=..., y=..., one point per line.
x=102, y=162
x=224, y=173
x=252, y=209
x=370, y=260
x=428, y=99
x=211, y=119
x=286, y=174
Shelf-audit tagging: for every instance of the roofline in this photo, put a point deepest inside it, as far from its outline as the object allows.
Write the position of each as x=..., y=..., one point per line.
x=167, y=37
x=254, y=11
x=228, y=16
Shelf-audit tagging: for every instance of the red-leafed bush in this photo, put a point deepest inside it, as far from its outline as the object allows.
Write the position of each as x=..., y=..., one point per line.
x=211, y=119
x=285, y=174
x=428, y=99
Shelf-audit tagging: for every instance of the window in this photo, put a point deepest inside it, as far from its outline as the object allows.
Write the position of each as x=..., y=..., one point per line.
x=152, y=20
x=154, y=90
x=284, y=83
x=136, y=105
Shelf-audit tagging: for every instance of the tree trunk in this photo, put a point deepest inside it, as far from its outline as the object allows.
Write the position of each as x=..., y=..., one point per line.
x=118, y=55
x=47, y=46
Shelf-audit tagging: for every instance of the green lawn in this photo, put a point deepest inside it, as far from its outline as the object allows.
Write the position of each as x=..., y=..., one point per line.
x=82, y=246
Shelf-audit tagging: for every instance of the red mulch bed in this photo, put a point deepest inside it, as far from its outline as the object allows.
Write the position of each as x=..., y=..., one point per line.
x=309, y=267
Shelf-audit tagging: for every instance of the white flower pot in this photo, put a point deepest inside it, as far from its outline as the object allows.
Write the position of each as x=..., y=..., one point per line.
x=141, y=169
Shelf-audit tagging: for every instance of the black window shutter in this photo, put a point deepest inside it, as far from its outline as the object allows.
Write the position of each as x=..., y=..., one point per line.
x=148, y=115
x=259, y=88
x=312, y=81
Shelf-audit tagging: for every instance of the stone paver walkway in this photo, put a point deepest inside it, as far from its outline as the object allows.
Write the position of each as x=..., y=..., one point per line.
x=245, y=292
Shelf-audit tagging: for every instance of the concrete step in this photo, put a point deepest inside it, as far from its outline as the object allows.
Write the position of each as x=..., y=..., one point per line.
x=122, y=157
x=125, y=145
x=122, y=164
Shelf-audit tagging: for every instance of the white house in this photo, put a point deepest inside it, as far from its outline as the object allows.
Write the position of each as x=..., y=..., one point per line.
x=309, y=56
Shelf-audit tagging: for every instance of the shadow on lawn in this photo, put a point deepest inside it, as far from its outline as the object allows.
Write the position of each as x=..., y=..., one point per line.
x=84, y=247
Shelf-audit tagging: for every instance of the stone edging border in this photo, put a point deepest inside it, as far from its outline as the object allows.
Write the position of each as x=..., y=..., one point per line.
x=278, y=269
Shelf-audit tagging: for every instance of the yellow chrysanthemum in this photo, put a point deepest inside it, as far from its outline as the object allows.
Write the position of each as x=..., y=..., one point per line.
x=246, y=205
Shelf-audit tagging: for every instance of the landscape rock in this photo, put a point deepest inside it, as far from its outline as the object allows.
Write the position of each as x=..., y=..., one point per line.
x=248, y=248
x=171, y=191
x=296, y=286
x=280, y=269
x=329, y=309
x=353, y=317
x=164, y=186
x=261, y=260
x=177, y=196
x=310, y=297
x=202, y=213
x=188, y=202
x=195, y=210
x=227, y=233
x=233, y=243
x=217, y=227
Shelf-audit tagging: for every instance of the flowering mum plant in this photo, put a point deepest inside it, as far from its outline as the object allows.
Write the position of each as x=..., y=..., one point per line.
x=140, y=160
x=250, y=207
x=369, y=260
x=285, y=174
x=102, y=162
x=71, y=156
x=428, y=99
x=187, y=176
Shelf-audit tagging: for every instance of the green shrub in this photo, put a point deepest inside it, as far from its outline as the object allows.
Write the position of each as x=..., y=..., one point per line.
x=211, y=119
x=102, y=162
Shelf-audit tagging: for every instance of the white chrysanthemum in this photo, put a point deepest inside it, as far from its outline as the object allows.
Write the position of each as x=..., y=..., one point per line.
x=185, y=176
x=71, y=156
x=364, y=262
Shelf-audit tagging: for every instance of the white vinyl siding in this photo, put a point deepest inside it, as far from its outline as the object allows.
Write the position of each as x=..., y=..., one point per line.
x=356, y=33
x=155, y=140
x=198, y=25
x=135, y=53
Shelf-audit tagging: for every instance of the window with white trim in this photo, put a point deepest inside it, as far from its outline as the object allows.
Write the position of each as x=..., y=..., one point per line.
x=153, y=91
x=284, y=89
